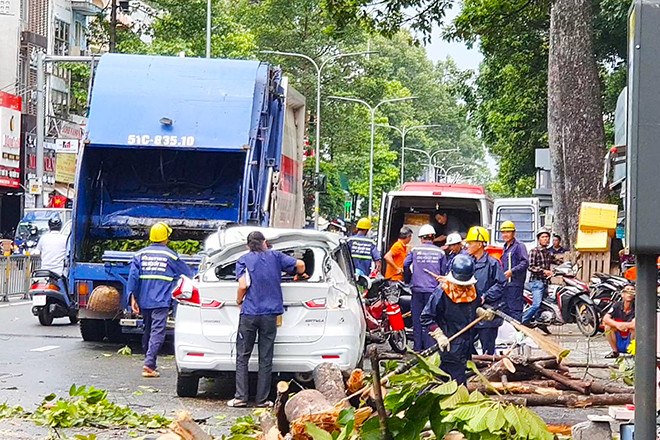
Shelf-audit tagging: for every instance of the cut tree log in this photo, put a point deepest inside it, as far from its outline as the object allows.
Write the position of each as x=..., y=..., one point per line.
x=514, y=388
x=329, y=381
x=568, y=400
x=573, y=384
x=278, y=408
x=187, y=428
x=306, y=402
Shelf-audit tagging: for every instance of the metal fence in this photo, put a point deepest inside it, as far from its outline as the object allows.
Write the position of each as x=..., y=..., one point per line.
x=15, y=272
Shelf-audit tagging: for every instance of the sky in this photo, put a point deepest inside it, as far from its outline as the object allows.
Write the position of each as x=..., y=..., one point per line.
x=440, y=49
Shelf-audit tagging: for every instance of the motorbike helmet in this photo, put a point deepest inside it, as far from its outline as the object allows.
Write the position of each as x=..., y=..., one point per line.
x=426, y=230
x=55, y=224
x=462, y=271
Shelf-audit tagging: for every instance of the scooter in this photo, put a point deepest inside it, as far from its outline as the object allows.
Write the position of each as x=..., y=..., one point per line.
x=50, y=298
x=383, y=314
x=565, y=304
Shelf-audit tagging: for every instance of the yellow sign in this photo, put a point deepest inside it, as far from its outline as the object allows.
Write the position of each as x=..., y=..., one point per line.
x=65, y=168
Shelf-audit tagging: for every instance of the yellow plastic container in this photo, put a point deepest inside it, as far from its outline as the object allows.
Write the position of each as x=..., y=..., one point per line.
x=595, y=216
x=593, y=241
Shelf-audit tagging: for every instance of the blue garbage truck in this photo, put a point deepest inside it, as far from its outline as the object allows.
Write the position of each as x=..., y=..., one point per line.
x=197, y=143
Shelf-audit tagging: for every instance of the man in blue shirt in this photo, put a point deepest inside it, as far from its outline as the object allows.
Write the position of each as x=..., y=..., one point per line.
x=515, y=262
x=151, y=279
x=259, y=275
x=426, y=256
x=363, y=249
x=453, y=247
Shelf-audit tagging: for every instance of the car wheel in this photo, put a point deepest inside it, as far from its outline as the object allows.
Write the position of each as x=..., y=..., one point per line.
x=187, y=385
x=399, y=341
x=92, y=330
x=45, y=317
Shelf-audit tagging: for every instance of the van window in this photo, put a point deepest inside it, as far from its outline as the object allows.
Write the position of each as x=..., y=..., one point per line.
x=522, y=216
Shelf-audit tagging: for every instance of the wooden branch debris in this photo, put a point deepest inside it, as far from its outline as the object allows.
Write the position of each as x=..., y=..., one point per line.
x=186, y=428
x=569, y=400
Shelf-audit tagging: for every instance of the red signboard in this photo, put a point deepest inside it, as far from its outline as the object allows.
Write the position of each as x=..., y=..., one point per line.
x=10, y=140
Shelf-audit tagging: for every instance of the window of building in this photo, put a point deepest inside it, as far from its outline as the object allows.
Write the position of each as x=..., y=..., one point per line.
x=62, y=37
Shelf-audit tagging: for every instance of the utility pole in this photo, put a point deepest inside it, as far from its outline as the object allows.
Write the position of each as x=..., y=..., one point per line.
x=113, y=26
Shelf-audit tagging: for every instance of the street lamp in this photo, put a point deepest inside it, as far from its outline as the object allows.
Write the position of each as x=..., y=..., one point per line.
x=319, y=71
x=446, y=171
x=430, y=157
x=373, y=125
x=403, y=131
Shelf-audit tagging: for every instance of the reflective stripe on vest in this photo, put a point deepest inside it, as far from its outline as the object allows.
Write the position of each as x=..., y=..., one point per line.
x=150, y=251
x=156, y=277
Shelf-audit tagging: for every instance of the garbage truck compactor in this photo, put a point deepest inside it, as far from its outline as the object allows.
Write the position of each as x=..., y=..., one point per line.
x=196, y=143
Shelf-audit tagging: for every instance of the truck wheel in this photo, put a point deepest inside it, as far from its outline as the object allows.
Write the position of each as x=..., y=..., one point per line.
x=113, y=331
x=92, y=330
x=45, y=317
x=187, y=385
x=73, y=319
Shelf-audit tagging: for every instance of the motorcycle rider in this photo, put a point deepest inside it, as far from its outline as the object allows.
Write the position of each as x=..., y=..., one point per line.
x=452, y=247
x=52, y=249
x=425, y=256
x=151, y=279
x=363, y=249
x=515, y=261
x=490, y=284
x=450, y=309
x=540, y=261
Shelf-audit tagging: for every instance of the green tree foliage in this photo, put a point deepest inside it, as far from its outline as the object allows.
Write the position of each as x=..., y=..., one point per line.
x=400, y=68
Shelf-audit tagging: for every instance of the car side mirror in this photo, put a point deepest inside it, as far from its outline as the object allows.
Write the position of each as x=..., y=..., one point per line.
x=363, y=281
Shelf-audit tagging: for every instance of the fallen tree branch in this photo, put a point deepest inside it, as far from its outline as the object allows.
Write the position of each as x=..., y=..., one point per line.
x=568, y=400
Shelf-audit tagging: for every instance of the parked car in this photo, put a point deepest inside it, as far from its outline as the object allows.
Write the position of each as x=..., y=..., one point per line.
x=323, y=319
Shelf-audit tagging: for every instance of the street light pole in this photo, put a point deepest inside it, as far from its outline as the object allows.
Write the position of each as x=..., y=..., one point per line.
x=208, y=29
x=373, y=128
x=317, y=150
x=403, y=131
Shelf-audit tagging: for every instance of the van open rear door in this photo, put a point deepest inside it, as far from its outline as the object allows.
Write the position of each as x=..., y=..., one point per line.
x=383, y=224
x=523, y=212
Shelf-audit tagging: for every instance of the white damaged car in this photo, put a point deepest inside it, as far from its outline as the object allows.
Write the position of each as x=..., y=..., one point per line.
x=323, y=318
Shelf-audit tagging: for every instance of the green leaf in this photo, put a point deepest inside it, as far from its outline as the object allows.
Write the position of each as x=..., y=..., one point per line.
x=317, y=433
x=370, y=430
x=346, y=416
x=495, y=419
x=50, y=397
x=516, y=420
x=446, y=388
x=477, y=423
x=439, y=427
x=461, y=395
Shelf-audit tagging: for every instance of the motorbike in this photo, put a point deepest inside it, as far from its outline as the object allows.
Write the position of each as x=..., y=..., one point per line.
x=50, y=298
x=565, y=304
x=606, y=290
x=28, y=243
x=385, y=321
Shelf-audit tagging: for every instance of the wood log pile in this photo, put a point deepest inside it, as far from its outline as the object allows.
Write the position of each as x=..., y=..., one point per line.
x=542, y=381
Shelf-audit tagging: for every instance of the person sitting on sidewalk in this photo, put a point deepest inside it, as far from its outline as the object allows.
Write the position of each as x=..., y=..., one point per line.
x=619, y=322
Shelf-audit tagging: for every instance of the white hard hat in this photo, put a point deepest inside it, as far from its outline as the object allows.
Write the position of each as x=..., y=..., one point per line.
x=426, y=230
x=453, y=238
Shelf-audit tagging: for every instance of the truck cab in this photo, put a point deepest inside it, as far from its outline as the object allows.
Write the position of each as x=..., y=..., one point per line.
x=416, y=203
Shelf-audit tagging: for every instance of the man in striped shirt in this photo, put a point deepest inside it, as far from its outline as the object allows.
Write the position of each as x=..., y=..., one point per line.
x=151, y=279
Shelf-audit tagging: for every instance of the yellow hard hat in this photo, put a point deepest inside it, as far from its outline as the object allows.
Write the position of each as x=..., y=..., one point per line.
x=364, y=223
x=159, y=232
x=508, y=226
x=478, y=233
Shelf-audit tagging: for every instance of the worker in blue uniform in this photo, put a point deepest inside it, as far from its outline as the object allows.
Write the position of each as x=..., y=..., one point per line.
x=515, y=262
x=450, y=309
x=490, y=285
x=364, y=250
x=425, y=257
x=151, y=280
x=259, y=294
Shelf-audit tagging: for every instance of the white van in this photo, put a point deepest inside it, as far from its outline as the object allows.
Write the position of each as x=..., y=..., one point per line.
x=524, y=213
x=416, y=203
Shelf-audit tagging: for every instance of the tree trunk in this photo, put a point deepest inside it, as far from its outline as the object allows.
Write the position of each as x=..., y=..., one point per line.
x=575, y=117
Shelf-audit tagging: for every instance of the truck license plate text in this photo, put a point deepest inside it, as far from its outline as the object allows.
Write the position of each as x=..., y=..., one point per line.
x=166, y=141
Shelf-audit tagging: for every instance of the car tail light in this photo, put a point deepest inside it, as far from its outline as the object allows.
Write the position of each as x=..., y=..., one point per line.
x=330, y=356
x=82, y=290
x=318, y=303
x=196, y=354
x=186, y=292
x=213, y=304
